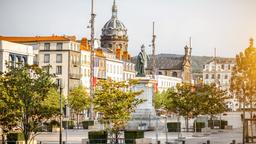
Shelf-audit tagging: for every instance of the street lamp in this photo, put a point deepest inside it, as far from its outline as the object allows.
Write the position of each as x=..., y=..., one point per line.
x=60, y=86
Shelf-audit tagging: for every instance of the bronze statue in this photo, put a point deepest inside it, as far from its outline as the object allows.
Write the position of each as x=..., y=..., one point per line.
x=141, y=63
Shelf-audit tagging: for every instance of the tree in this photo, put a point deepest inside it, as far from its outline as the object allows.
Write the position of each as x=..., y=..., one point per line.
x=190, y=100
x=243, y=80
x=212, y=99
x=163, y=100
x=8, y=117
x=31, y=94
x=78, y=100
x=115, y=103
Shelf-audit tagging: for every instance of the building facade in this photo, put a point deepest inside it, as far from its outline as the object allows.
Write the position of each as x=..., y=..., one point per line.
x=166, y=82
x=114, y=33
x=14, y=54
x=60, y=55
x=219, y=71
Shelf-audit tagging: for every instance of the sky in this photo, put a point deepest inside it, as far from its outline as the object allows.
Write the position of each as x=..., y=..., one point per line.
x=225, y=25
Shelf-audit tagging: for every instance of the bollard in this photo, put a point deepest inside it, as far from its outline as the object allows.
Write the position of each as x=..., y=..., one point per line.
x=159, y=142
x=234, y=142
x=183, y=142
x=208, y=142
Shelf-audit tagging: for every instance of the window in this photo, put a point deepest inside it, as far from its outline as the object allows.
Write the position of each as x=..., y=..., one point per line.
x=222, y=66
x=229, y=67
x=206, y=76
x=59, y=58
x=59, y=70
x=226, y=76
x=213, y=76
x=174, y=74
x=59, y=46
x=46, y=58
x=46, y=46
x=218, y=76
x=85, y=59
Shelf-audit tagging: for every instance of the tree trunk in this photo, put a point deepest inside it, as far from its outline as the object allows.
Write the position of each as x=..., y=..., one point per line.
x=116, y=138
x=3, y=139
x=77, y=116
x=251, y=118
x=186, y=119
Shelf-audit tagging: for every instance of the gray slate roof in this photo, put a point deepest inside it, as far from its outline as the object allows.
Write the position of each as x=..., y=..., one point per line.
x=163, y=61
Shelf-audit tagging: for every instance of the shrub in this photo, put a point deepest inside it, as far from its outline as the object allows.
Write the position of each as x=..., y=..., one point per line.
x=198, y=127
x=98, y=137
x=213, y=123
x=173, y=126
x=86, y=124
x=130, y=136
x=68, y=124
x=13, y=137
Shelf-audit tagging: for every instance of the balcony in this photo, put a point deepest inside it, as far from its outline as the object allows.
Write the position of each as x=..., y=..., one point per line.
x=74, y=76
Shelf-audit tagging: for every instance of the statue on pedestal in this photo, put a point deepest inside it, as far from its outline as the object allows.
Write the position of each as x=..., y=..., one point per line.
x=141, y=63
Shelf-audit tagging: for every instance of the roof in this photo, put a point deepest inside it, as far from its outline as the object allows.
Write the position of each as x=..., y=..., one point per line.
x=37, y=38
x=163, y=62
x=84, y=45
x=220, y=60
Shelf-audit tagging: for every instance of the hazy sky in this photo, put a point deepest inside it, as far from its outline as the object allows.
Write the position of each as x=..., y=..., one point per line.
x=224, y=24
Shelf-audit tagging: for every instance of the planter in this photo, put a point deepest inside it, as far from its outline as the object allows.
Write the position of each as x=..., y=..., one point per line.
x=198, y=127
x=12, y=138
x=131, y=136
x=68, y=124
x=173, y=126
x=216, y=123
x=86, y=124
x=98, y=137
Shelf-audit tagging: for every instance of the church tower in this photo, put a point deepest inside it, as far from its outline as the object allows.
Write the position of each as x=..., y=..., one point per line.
x=187, y=64
x=114, y=33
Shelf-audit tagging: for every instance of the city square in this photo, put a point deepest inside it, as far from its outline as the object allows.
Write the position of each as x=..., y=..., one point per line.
x=126, y=72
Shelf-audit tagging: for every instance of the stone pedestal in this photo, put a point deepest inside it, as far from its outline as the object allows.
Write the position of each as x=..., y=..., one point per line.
x=144, y=117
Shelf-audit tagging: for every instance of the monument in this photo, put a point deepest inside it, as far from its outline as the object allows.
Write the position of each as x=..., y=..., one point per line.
x=143, y=117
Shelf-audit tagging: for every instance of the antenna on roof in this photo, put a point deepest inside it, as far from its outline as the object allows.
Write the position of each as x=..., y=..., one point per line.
x=154, y=52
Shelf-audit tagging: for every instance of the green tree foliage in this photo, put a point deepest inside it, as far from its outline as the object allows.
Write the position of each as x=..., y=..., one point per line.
x=243, y=81
x=78, y=100
x=115, y=103
x=29, y=92
x=212, y=99
x=192, y=100
x=163, y=101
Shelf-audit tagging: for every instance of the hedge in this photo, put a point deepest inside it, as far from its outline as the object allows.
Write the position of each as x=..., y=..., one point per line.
x=13, y=137
x=173, y=126
x=68, y=124
x=98, y=137
x=130, y=136
x=213, y=123
x=198, y=127
x=88, y=123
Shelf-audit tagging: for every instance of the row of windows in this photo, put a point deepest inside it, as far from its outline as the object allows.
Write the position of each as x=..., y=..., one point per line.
x=57, y=72
x=47, y=46
x=168, y=84
x=128, y=76
x=47, y=58
x=174, y=74
x=129, y=67
x=114, y=69
x=219, y=67
x=59, y=46
x=99, y=63
x=213, y=76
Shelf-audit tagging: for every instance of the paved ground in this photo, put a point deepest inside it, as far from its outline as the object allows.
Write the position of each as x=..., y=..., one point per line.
x=215, y=136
